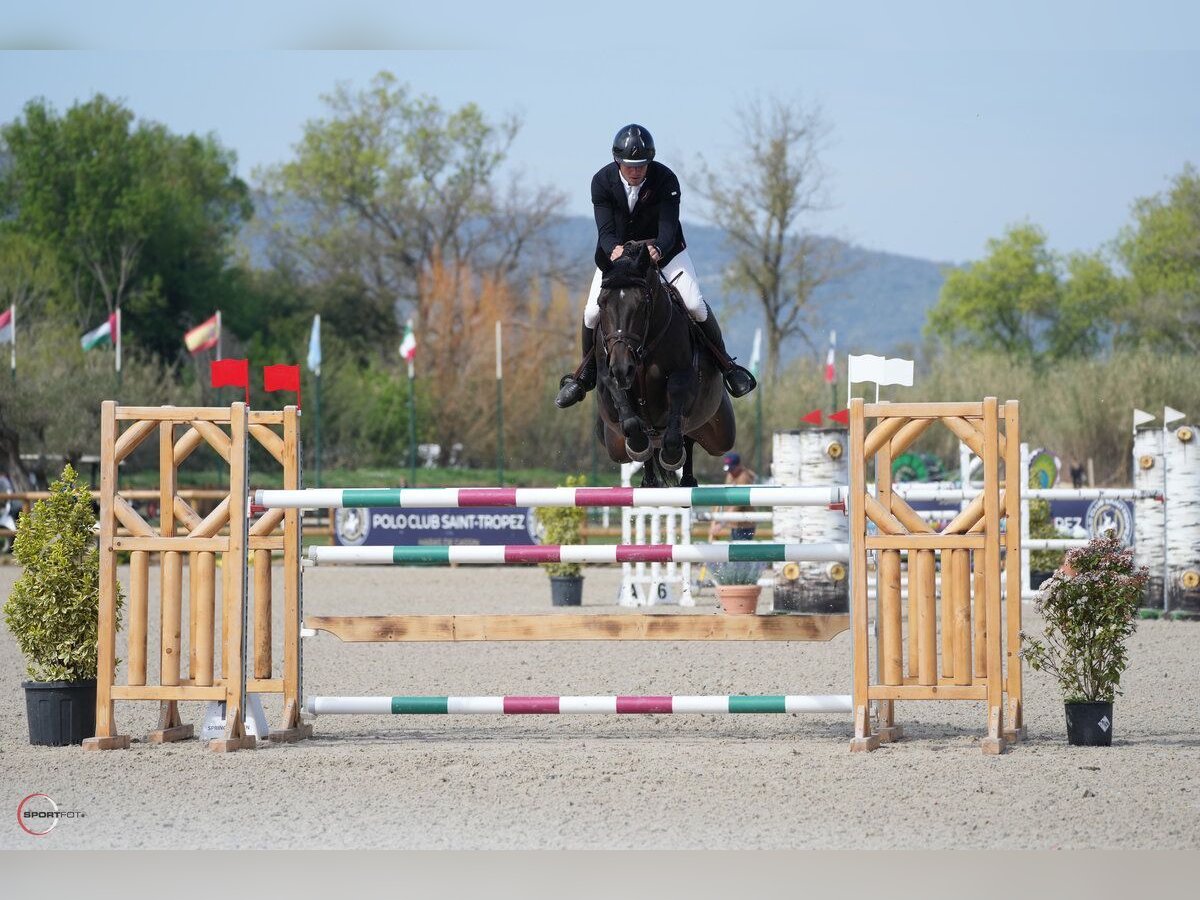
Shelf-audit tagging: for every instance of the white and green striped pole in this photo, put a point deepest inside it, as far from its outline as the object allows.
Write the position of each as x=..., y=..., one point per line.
x=829, y=496
x=732, y=704
x=518, y=554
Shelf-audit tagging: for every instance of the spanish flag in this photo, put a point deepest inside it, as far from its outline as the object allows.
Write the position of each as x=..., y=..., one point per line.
x=204, y=336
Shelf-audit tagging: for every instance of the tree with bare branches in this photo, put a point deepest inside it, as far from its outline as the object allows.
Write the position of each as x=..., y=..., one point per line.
x=762, y=195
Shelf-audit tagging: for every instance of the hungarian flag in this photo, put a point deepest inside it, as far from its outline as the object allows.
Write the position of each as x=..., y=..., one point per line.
x=204, y=336
x=102, y=336
x=408, y=346
x=830, y=370
x=8, y=333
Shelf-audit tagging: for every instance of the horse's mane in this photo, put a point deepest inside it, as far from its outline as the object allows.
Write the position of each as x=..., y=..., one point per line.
x=630, y=270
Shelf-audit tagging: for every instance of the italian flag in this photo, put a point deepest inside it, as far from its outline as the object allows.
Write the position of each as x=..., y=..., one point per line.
x=408, y=346
x=102, y=336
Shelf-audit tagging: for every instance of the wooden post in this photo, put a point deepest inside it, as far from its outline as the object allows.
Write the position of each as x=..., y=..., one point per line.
x=888, y=623
x=979, y=620
x=888, y=644
x=959, y=576
x=139, y=590
x=170, y=726
x=262, y=613
x=863, y=739
x=106, y=627
x=204, y=592
x=927, y=671
x=1014, y=723
x=234, y=599
x=170, y=622
x=993, y=743
x=292, y=728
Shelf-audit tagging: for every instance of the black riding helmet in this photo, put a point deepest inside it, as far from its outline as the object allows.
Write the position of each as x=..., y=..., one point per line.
x=633, y=146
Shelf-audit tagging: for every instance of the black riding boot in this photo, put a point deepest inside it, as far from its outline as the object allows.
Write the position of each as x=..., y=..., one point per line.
x=738, y=380
x=574, y=387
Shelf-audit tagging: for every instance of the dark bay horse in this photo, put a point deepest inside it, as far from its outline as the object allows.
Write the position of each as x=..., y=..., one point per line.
x=660, y=392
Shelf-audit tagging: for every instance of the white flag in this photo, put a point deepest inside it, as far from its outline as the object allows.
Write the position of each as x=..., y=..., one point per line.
x=314, y=346
x=881, y=370
x=1141, y=417
x=1172, y=415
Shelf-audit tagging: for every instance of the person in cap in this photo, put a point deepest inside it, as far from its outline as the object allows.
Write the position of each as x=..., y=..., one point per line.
x=636, y=198
x=735, y=474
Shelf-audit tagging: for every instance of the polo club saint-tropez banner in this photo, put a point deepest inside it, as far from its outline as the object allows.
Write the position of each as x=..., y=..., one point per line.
x=482, y=526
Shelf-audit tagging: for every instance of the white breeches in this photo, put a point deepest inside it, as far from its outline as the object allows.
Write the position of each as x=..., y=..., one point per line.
x=678, y=271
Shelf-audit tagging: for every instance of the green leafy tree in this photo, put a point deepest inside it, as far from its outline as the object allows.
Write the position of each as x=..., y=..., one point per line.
x=30, y=278
x=53, y=407
x=137, y=217
x=52, y=610
x=1161, y=250
x=390, y=183
x=1027, y=303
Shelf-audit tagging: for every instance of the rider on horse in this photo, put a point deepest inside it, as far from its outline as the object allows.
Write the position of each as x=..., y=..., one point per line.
x=636, y=198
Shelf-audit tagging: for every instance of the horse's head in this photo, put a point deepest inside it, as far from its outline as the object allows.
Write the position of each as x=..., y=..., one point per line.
x=626, y=295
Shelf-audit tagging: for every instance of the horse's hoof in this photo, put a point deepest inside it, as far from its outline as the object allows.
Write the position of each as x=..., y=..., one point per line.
x=637, y=441
x=668, y=462
x=689, y=481
x=639, y=455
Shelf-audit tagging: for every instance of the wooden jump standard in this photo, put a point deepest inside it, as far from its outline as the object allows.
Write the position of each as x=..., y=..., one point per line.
x=975, y=645
x=226, y=531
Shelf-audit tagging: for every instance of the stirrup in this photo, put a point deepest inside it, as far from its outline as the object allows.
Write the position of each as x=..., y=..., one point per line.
x=571, y=391
x=739, y=381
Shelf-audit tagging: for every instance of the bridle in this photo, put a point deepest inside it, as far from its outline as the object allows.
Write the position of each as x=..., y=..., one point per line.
x=639, y=343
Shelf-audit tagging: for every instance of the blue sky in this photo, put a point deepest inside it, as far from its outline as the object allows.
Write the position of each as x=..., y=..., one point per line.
x=947, y=123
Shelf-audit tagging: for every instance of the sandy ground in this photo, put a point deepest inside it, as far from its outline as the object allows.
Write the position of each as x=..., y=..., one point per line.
x=652, y=782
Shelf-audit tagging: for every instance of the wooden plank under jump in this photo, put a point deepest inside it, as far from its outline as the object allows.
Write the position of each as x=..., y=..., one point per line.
x=566, y=627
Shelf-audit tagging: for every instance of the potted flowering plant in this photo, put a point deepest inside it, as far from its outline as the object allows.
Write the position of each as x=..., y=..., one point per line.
x=737, y=586
x=1090, y=607
x=52, y=612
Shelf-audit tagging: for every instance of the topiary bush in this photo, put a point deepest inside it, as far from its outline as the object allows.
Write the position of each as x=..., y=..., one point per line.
x=562, y=525
x=52, y=610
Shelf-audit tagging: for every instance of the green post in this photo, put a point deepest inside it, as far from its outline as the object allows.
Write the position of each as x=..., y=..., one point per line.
x=499, y=408
x=412, y=430
x=758, y=416
x=500, y=431
x=317, y=427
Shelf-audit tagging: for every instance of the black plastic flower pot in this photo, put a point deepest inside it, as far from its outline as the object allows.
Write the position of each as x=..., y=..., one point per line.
x=60, y=713
x=566, y=590
x=1090, y=724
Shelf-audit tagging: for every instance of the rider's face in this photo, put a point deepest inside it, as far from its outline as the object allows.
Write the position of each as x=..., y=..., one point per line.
x=633, y=174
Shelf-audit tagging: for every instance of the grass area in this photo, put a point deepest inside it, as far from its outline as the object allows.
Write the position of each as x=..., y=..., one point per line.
x=267, y=475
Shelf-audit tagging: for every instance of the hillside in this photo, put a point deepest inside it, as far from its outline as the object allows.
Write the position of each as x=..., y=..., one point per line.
x=879, y=307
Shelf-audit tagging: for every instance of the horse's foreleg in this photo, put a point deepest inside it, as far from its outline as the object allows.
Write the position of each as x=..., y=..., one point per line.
x=672, y=455
x=689, y=477
x=636, y=440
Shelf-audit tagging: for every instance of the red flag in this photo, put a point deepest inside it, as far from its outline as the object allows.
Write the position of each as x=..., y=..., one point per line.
x=843, y=416
x=813, y=418
x=282, y=378
x=230, y=373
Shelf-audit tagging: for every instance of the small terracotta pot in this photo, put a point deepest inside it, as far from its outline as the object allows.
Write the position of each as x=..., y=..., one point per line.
x=738, y=599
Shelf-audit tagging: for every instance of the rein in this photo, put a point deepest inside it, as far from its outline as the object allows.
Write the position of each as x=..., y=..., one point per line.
x=637, y=343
